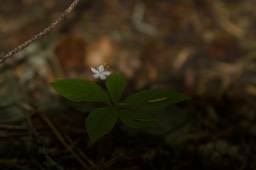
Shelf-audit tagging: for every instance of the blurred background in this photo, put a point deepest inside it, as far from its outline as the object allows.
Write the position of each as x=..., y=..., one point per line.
x=201, y=48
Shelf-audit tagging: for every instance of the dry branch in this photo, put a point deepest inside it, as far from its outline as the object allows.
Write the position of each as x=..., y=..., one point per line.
x=41, y=34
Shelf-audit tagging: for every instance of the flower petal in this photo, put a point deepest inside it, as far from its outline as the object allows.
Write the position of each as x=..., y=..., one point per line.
x=96, y=75
x=101, y=68
x=107, y=73
x=94, y=70
x=102, y=77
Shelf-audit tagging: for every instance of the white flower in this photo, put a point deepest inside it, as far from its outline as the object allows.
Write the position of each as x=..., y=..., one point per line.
x=100, y=72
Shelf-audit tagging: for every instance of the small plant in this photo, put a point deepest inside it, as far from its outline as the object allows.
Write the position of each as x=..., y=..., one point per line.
x=130, y=111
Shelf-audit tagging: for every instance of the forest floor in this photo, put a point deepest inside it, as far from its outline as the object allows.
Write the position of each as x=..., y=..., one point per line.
x=204, y=49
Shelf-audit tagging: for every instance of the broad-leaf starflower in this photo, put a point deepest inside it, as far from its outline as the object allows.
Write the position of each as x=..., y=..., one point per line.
x=100, y=72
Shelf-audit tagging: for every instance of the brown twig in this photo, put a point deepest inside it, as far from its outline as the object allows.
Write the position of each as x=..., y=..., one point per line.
x=41, y=34
x=63, y=141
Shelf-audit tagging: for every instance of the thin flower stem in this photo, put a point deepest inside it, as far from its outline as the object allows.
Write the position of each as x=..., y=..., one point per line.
x=41, y=34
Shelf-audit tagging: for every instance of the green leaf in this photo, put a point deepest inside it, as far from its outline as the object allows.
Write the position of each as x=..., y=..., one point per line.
x=115, y=85
x=136, y=119
x=80, y=90
x=155, y=98
x=100, y=122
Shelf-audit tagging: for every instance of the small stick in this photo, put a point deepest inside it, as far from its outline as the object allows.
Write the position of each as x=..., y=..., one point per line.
x=41, y=34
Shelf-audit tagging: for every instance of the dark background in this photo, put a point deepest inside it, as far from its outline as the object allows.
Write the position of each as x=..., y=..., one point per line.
x=201, y=48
